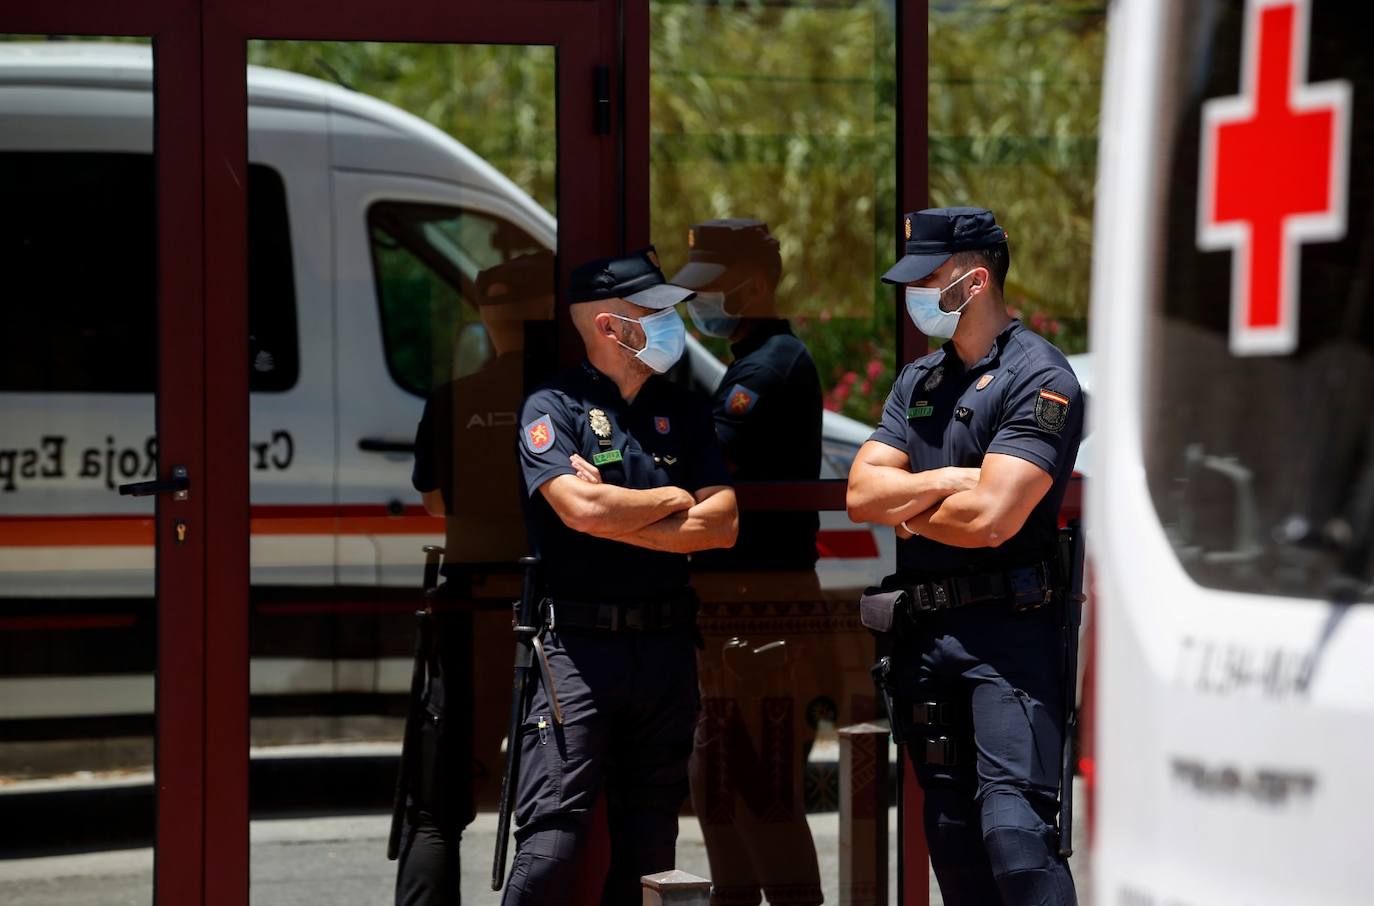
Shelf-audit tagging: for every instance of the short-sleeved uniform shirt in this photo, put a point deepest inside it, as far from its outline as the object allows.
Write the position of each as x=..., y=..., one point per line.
x=768, y=418
x=664, y=438
x=462, y=449
x=1023, y=400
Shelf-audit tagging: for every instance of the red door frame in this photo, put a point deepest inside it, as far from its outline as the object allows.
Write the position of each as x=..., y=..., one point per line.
x=585, y=33
x=174, y=26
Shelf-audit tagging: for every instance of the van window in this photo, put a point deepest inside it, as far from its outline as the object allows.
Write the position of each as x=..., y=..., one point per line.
x=1261, y=464
x=78, y=255
x=426, y=259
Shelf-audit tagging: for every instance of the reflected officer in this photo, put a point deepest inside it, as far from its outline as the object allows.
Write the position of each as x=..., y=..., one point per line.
x=625, y=479
x=970, y=464
x=464, y=470
x=768, y=405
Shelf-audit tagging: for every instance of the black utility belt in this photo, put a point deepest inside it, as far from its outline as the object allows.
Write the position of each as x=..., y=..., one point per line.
x=659, y=615
x=1023, y=589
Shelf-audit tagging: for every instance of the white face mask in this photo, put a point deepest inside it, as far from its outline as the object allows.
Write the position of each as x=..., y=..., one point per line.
x=665, y=338
x=710, y=315
x=923, y=305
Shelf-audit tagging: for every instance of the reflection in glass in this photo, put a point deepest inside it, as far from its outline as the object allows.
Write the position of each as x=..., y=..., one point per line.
x=78, y=373
x=421, y=260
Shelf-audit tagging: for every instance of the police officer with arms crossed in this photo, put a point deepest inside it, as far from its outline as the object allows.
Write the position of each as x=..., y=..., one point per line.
x=625, y=479
x=970, y=464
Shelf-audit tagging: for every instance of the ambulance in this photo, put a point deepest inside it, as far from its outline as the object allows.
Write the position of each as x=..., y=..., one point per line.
x=338, y=373
x=1231, y=511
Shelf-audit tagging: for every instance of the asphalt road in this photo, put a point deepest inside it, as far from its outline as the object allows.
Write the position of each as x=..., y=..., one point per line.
x=337, y=861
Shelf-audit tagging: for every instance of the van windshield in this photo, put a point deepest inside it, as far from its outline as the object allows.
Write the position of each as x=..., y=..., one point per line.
x=1259, y=436
x=426, y=259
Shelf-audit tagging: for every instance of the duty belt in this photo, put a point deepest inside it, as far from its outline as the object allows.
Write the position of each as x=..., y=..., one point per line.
x=1026, y=588
x=660, y=615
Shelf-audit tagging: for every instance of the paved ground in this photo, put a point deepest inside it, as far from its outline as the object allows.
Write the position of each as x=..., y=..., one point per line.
x=330, y=861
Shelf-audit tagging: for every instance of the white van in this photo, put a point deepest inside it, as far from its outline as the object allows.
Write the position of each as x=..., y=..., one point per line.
x=1231, y=508
x=335, y=396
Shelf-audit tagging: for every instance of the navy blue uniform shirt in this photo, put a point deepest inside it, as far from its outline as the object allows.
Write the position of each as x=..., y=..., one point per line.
x=664, y=438
x=768, y=418
x=1023, y=400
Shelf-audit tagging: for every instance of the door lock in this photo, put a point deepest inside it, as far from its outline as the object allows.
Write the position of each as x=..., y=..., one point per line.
x=178, y=486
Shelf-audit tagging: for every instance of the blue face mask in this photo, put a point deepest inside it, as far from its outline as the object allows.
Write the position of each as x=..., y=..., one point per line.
x=710, y=315
x=923, y=305
x=665, y=338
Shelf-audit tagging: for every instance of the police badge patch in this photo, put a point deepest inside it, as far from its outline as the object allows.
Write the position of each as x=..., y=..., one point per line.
x=741, y=400
x=601, y=426
x=1051, y=410
x=539, y=434
x=661, y=424
x=936, y=376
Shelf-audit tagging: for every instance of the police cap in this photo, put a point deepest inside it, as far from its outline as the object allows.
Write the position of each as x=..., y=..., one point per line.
x=933, y=235
x=635, y=277
x=517, y=280
x=717, y=246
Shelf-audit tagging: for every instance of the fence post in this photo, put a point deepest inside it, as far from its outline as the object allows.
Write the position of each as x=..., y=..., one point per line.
x=676, y=888
x=863, y=815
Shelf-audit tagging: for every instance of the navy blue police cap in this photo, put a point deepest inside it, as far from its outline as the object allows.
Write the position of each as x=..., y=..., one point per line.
x=517, y=280
x=636, y=277
x=933, y=235
x=716, y=246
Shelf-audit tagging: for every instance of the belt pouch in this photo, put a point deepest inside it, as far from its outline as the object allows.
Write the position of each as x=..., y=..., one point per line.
x=878, y=609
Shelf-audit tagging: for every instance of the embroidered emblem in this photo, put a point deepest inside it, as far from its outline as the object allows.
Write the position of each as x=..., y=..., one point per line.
x=907, y=228
x=984, y=381
x=742, y=399
x=922, y=409
x=670, y=460
x=606, y=456
x=936, y=376
x=1051, y=410
x=539, y=434
x=601, y=425
x=661, y=424
x=691, y=239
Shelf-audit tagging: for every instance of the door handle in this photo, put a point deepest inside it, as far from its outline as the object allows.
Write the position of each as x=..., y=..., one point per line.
x=178, y=486
x=386, y=445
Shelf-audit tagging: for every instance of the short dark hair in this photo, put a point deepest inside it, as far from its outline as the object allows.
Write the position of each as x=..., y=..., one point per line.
x=996, y=258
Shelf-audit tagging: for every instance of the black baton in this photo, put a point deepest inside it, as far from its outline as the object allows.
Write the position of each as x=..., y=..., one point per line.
x=528, y=626
x=1071, y=552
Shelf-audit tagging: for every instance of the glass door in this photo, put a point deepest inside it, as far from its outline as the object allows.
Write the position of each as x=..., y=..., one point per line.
x=387, y=263
x=102, y=479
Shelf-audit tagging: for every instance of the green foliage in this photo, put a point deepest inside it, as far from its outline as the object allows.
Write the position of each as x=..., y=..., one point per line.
x=787, y=114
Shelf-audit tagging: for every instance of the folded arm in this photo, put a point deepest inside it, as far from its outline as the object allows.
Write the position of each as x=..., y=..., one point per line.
x=1008, y=489
x=713, y=521
x=607, y=510
x=883, y=489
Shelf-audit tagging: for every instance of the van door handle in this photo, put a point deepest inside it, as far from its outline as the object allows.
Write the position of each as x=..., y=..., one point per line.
x=178, y=486
x=386, y=445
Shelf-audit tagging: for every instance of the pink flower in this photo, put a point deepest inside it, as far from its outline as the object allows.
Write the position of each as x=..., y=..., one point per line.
x=825, y=315
x=849, y=378
x=865, y=388
x=874, y=369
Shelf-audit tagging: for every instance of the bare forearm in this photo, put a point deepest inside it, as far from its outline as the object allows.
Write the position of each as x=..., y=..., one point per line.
x=712, y=523
x=888, y=496
x=966, y=519
x=607, y=510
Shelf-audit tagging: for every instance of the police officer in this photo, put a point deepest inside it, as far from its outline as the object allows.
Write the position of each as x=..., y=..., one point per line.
x=465, y=472
x=970, y=464
x=767, y=411
x=768, y=405
x=624, y=479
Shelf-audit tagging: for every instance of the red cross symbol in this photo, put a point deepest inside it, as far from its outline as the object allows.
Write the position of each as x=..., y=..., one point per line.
x=1273, y=174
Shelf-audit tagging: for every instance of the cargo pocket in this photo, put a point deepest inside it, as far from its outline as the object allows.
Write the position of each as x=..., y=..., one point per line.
x=1020, y=743
x=540, y=789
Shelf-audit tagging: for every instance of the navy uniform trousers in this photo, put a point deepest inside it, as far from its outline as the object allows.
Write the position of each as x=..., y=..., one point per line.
x=630, y=704
x=989, y=818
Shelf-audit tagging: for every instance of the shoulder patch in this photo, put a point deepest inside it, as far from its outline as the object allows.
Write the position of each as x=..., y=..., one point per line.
x=1051, y=409
x=661, y=424
x=741, y=400
x=539, y=434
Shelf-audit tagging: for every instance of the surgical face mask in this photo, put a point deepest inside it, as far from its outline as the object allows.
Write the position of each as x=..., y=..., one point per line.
x=923, y=305
x=710, y=315
x=665, y=337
